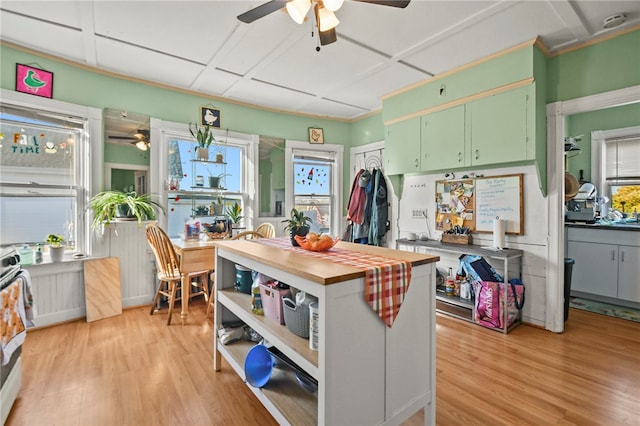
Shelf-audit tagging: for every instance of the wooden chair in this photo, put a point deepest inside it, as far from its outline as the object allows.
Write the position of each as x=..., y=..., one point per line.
x=169, y=274
x=247, y=235
x=267, y=230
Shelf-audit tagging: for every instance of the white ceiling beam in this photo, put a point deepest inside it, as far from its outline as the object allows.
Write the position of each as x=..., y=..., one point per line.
x=572, y=20
x=88, y=32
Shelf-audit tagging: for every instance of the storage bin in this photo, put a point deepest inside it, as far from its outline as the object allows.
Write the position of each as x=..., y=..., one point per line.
x=296, y=317
x=272, y=302
x=244, y=279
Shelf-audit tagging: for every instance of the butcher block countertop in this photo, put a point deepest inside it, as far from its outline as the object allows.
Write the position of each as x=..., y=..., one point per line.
x=318, y=269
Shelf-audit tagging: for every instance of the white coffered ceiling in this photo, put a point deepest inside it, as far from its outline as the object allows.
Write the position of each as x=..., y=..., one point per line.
x=272, y=62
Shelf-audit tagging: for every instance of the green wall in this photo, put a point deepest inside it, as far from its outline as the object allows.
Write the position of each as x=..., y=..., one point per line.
x=585, y=123
x=602, y=67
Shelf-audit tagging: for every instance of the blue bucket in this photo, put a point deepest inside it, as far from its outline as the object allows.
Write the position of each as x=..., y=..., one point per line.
x=244, y=279
x=258, y=366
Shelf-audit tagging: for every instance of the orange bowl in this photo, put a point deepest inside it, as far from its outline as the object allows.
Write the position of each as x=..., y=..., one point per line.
x=321, y=243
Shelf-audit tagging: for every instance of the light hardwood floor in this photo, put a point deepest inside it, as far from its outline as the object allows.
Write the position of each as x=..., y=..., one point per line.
x=134, y=370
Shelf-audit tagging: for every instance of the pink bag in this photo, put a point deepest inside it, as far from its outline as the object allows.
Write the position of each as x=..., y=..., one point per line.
x=490, y=307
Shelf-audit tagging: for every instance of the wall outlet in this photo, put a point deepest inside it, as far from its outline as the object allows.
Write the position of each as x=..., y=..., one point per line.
x=417, y=213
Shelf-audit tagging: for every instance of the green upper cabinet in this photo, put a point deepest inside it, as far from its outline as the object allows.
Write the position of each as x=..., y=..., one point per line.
x=499, y=128
x=402, y=147
x=443, y=139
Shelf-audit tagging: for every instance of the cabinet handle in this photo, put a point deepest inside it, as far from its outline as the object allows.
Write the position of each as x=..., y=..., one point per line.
x=459, y=157
x=477, y=153
x=613, y=255
x=416, y=162
x=622, y=256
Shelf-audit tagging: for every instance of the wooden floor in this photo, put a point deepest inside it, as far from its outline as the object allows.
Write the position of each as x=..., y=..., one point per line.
x=134, y=370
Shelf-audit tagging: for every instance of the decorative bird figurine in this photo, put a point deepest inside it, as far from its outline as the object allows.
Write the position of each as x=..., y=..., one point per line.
x=32, y=81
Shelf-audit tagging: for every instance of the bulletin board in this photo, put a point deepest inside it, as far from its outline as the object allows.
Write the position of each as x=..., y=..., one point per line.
x=455, y=200
x=476, y=203
x=499, y=197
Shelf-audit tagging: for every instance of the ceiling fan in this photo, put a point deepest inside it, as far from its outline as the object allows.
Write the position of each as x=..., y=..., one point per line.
x=140, y=139
x=326, y=20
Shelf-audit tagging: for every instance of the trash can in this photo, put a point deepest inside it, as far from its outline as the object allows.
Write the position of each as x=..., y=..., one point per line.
x=568, y=269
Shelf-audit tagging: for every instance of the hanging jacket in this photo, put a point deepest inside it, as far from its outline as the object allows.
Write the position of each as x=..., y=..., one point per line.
x=379, y=209
x=358, y=198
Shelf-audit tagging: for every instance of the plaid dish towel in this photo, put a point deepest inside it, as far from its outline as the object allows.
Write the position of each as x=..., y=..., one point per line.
x=385, y=289
x=386, y=279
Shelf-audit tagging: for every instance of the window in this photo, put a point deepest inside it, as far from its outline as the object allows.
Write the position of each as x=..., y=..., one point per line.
x=618, y=154
x=314, y=184
x=40, y=185
x=46, y=170
x=622, y=173
x=192, y=186
x=312, y=190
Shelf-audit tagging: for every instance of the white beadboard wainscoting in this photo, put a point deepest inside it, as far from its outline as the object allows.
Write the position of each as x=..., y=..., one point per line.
x=58, y=288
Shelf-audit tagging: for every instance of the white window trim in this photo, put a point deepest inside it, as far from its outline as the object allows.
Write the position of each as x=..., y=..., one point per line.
x=336, y=185
x=89, y=160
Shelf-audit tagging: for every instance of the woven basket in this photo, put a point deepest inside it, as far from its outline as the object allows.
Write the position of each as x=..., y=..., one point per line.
x=296, y=317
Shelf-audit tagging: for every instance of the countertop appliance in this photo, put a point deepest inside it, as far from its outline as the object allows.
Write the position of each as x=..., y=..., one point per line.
x=582, y=207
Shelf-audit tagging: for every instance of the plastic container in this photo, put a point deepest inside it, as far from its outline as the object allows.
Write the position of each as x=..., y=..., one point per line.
x=314, y=324
x=26, y=256
x=192, y=230
x=272, y=302
x=296, y=317
x=244, y=280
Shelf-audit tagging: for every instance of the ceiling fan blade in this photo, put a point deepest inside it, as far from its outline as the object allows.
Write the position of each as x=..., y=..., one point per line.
x=394, y=3
x=328, y=37
x=261, y=11
x=123, y=138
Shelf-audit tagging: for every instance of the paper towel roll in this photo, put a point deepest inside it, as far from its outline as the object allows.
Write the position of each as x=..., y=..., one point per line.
x=499, y=228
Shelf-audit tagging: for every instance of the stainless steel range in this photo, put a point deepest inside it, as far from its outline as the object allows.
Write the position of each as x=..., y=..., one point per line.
x=9, y=265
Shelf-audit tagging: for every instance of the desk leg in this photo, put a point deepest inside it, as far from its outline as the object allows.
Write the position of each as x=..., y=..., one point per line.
x=186, y=289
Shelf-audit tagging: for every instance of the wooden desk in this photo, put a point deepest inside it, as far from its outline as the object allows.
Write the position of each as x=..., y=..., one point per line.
x=194, y=256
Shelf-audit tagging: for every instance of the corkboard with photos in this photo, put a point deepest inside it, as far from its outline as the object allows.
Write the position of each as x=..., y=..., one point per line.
x=455, y=201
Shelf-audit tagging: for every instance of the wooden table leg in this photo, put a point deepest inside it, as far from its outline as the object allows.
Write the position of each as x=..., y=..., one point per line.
x=186, y=289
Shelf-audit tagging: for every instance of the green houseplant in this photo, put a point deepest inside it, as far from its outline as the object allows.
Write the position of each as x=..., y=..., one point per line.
x=56, y=249
x=108, y=206
x=234, y=213
x=204, y=137
x=297, y=224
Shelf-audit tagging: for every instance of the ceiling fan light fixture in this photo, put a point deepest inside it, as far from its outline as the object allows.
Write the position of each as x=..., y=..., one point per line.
x=142, y=145
x=332, y=5
x=326, y=19
x=298, y=9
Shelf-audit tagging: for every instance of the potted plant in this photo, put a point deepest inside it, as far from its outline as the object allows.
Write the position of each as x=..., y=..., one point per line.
x=56, y=249
x=234, y=213
x=217, y=207
x=108, y=206
x=204, y=137
x=297, y=224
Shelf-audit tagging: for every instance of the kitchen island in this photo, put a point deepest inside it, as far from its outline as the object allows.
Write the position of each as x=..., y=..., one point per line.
x=367, y=373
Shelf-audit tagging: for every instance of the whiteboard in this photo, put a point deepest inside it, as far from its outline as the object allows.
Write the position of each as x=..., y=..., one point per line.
x=499, y=197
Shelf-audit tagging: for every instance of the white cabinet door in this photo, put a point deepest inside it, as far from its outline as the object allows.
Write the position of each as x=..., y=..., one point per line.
x=596, y=268
x=629, y=273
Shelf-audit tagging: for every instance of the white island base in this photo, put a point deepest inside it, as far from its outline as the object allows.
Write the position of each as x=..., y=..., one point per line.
x=367, y=373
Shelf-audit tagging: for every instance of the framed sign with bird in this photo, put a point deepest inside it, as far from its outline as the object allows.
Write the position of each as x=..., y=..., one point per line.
x=210, y=117
x=316, y=135
x=34, y=81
